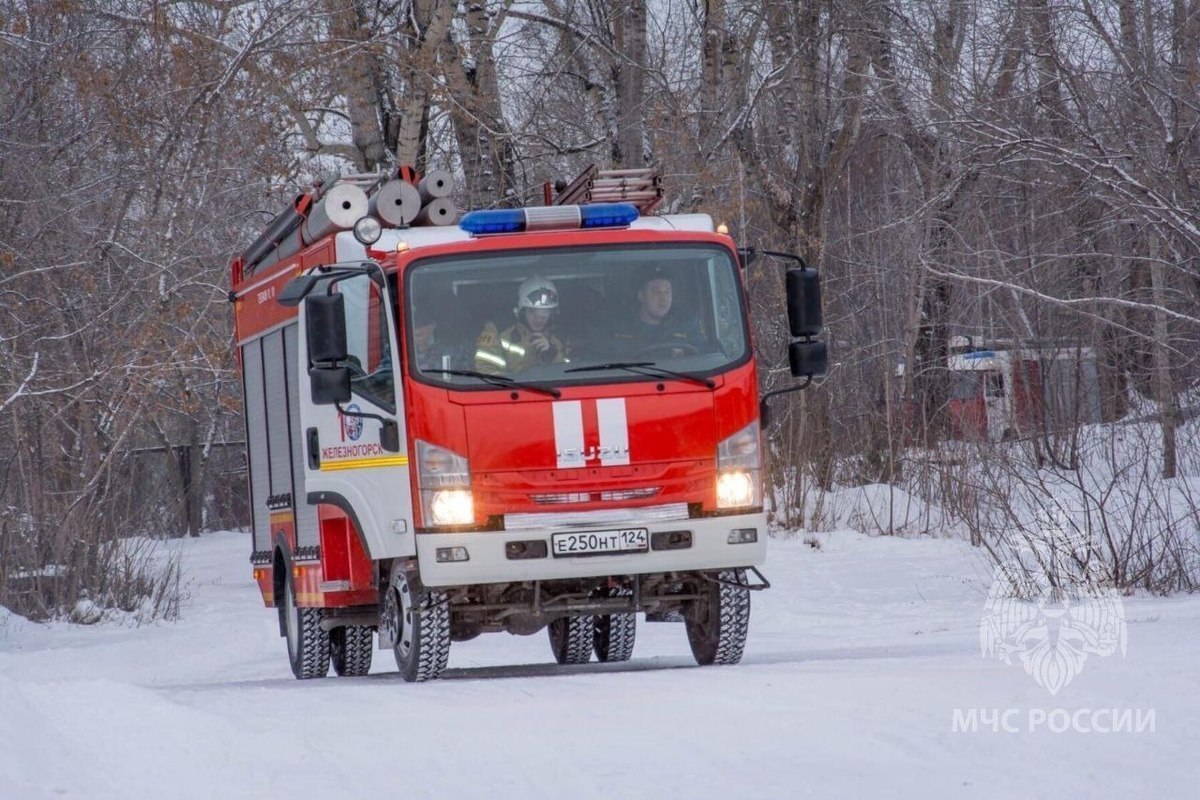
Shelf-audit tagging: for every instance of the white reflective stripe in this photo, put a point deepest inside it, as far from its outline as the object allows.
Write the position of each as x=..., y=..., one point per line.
x=486, y=356
x=568, y=433
x=512, y=347
x=614, y=432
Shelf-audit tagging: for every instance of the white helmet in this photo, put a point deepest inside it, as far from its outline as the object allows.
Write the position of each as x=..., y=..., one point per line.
x=537, y=293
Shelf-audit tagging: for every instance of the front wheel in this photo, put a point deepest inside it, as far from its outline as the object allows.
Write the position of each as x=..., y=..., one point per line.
x=308, y=644
x=571, y=639
x=418, y=621
x=717, y=623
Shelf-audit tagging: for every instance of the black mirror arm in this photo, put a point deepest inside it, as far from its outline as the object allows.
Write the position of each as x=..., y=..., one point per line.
x=389, y=438
x=750, y=254
x=299, y=287
x=790, y=256
x=363, y=414
x=764, y=405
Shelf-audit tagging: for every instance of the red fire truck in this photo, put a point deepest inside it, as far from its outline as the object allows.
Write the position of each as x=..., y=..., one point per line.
x=542, y=417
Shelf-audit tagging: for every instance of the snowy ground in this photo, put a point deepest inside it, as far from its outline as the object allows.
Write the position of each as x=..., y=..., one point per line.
x=857, y=660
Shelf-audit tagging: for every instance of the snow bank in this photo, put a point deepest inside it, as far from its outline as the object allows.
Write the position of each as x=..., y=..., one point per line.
x=13, y=626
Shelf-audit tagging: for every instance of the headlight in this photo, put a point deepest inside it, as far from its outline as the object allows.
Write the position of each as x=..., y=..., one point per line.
x=738, y=469
x=735, y=489
x=444, y=479
x=451, y=507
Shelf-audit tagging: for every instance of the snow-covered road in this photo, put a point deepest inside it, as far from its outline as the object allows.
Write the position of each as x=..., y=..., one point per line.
x=857, y=661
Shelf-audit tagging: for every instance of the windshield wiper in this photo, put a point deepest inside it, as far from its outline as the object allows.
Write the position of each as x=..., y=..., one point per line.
x=646, y=368
x=498, y=380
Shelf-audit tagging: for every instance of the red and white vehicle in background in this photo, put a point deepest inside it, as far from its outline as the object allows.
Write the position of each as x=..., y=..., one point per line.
x=1000, y=392
x=399, y=488
x=994, y=396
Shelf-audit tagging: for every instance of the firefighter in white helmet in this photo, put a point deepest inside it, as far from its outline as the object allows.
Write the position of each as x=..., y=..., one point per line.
x=531, y=340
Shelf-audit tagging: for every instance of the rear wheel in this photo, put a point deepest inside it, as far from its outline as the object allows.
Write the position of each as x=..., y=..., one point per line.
x=418, y=621
x=308, y=645
x=571, y=639
x=718, y=622
x=350, y=650
x=613, y=635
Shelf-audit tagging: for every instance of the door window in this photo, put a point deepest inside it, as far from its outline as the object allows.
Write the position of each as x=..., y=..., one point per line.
x=368, y=341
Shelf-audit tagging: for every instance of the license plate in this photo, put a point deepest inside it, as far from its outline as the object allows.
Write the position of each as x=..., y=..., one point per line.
x=598, y=543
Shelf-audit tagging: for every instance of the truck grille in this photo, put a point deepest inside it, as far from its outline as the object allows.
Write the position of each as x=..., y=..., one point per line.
x=616, y=495
x=566, y=497
x=603, y=516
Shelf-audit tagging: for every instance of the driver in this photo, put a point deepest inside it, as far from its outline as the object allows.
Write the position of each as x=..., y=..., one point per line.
x=530, y=341
x=431, y=352
x=653, y=328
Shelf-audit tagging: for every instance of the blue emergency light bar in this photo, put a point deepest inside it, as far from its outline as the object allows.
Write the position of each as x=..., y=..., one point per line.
x=549, y=218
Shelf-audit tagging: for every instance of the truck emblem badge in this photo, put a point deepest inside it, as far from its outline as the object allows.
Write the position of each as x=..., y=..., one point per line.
x=352, y=427
x=594, y=453
x=612, y=430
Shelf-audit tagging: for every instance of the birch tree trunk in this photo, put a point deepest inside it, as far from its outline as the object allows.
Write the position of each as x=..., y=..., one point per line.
x=1164, y=389
x=430, y=22
x=629, y=72
x=484, y=139
x=359, y=82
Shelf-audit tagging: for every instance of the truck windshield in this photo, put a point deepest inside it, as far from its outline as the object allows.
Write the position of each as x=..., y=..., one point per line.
x=575, y=315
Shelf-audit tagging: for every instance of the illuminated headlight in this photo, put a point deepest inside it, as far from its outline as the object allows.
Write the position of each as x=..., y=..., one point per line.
x=368, y=230
x=444, y=478
x=735, y=489
x=452, y=507
x=738, y=469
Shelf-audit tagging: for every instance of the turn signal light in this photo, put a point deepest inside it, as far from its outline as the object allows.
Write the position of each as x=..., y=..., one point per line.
x=743, y=536
x=446, y=555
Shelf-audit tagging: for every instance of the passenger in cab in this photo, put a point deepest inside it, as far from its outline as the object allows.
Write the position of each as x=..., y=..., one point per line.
x=531, y=341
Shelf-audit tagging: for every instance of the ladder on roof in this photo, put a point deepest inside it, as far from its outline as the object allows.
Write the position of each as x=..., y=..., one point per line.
x=639, y=187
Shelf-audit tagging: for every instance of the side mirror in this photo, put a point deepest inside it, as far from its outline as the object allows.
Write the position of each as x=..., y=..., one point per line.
x=330, y=385
x=389, y=436
x=325, y=328
x=804, y=302
x=808, y=359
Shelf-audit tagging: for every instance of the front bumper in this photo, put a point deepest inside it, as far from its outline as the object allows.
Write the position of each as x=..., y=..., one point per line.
x=488, y=561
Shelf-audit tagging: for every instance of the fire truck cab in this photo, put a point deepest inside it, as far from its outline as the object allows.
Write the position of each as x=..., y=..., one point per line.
x=542, y=418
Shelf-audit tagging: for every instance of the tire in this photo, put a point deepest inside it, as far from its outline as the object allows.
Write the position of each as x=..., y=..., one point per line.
x=419, y=623
x=308, y=645
x=613, y=635
x=350, y=650
x=717, y=624
x=571, y=639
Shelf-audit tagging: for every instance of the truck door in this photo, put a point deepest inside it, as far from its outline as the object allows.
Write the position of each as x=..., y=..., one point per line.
x=349, y=462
